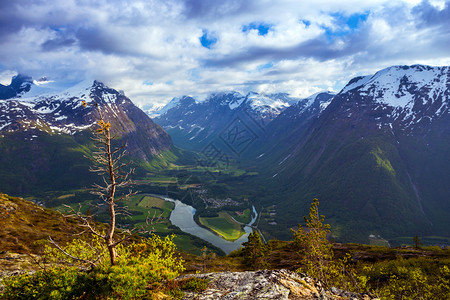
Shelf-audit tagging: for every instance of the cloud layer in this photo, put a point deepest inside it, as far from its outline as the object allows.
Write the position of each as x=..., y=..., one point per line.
x=158, y=49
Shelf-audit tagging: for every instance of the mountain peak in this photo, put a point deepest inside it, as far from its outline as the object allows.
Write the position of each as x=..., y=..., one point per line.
x=232, y=99
x=18, y=79
x=409, y=91
x=19, y=84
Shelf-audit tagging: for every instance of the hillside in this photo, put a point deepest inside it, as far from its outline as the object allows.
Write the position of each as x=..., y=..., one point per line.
x=23, y=224
x=376, y=158
x=45, y=136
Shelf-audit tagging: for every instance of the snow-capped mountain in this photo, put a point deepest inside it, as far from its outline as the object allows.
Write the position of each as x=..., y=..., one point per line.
x=376, y=156
x=287, y=128
x=175, y=102
x=404, y=96
x=194, y=124
x=19, y=84
x=58, y=109
x=44, y=114
x=42, y=107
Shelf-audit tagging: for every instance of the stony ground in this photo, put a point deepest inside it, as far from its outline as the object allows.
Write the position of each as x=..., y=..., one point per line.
x=266, y=284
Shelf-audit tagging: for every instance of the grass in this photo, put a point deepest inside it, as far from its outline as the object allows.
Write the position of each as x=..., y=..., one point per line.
x=65, y=196
x=140, y=207
x=150, y=201
x=24, y=226
x=185, y=243
x=151, y=207
x=244, y=218
x=426, y=240
x=224, y=226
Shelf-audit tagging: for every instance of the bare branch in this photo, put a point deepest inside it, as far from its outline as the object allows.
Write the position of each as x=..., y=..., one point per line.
x=91, y=263
x=125, y=238
x=85, y=220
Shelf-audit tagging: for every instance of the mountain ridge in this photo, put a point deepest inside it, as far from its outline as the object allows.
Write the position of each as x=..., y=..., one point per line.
x=194, y=124
x=46, y=131
x=369, y=161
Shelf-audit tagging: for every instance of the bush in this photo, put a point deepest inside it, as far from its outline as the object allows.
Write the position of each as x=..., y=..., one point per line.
x=141, y=270
x=195, y=284
x=418, y=278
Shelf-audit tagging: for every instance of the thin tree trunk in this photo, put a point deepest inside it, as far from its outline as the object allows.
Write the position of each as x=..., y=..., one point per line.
x=112, y=213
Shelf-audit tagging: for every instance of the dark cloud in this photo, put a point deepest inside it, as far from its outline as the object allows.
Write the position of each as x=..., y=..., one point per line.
x=432, y=16
x=11, y=20
x=320, y=49
x=429, y=16
x=57, y=43
x=160, y=40
x=98, y=39
x=206, y=9
x=95, y=39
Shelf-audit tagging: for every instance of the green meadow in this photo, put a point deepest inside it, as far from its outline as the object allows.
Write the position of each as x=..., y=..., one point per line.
x=223, y=225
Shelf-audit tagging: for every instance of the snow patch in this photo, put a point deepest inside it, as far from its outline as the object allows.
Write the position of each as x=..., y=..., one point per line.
x=4, y=125
x=285, y=159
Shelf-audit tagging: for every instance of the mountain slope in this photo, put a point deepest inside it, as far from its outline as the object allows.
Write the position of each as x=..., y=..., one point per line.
x=45, y=136
x=290, y=126
x=19, y=84
x=377, y=158
x=24, y=223
x=193, y=124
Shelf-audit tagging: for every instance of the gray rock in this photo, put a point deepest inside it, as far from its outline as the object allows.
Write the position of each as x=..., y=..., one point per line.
x=265, y=284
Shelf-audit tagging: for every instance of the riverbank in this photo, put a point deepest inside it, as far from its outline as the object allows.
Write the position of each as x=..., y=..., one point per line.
x=182, y=216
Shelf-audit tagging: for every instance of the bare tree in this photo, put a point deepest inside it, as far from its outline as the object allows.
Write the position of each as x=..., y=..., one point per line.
x=109, y=165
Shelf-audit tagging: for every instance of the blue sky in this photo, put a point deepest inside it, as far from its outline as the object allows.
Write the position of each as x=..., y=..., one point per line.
x=156, y=50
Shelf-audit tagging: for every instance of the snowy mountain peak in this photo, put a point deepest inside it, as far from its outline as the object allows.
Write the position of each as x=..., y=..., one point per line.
x=231, y=99
x=407, y=94
x=55, y=106
x=175, y=102
x=260, y=100
x=309, y=101
x=312, y=106
x=395, y=86
x=19, y=84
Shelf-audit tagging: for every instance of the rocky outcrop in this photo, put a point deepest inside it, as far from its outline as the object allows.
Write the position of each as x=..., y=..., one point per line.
x=266, y=284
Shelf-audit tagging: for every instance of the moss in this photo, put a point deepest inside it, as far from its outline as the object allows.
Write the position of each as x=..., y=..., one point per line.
x=382, y=162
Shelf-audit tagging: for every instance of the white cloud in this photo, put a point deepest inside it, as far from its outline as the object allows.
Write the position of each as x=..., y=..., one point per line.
x=5, y=76
x=130, y=44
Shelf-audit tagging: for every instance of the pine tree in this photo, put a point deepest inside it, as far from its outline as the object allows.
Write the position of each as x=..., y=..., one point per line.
x=417, y=242
x=255, y=251
x=313, y=244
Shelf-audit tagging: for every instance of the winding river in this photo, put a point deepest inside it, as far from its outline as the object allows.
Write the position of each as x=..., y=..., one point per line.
x=183, y=217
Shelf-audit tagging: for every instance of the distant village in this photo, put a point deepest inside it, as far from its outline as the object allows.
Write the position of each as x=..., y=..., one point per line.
x=216, y=203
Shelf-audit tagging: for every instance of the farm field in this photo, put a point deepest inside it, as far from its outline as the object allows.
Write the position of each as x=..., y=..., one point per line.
x=224, y=226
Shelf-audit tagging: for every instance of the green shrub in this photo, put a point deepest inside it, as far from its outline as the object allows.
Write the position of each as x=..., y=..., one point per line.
x=141, y=270
x=195, y=284
x=54, y=283
x=418, y=278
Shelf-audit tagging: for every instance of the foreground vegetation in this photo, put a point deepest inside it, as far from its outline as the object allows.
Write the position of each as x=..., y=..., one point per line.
x=388, y=273
x=139, y=272
x=146, y=268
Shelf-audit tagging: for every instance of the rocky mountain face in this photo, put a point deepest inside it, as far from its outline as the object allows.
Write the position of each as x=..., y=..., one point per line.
x=289, y=125
x=376, y=157
x=44, y=130
x=194, y=124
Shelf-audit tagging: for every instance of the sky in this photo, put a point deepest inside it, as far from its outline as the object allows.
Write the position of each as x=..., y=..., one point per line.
x=155, y=50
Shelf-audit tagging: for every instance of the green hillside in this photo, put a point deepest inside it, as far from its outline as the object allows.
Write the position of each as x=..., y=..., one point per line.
x=59, y=162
